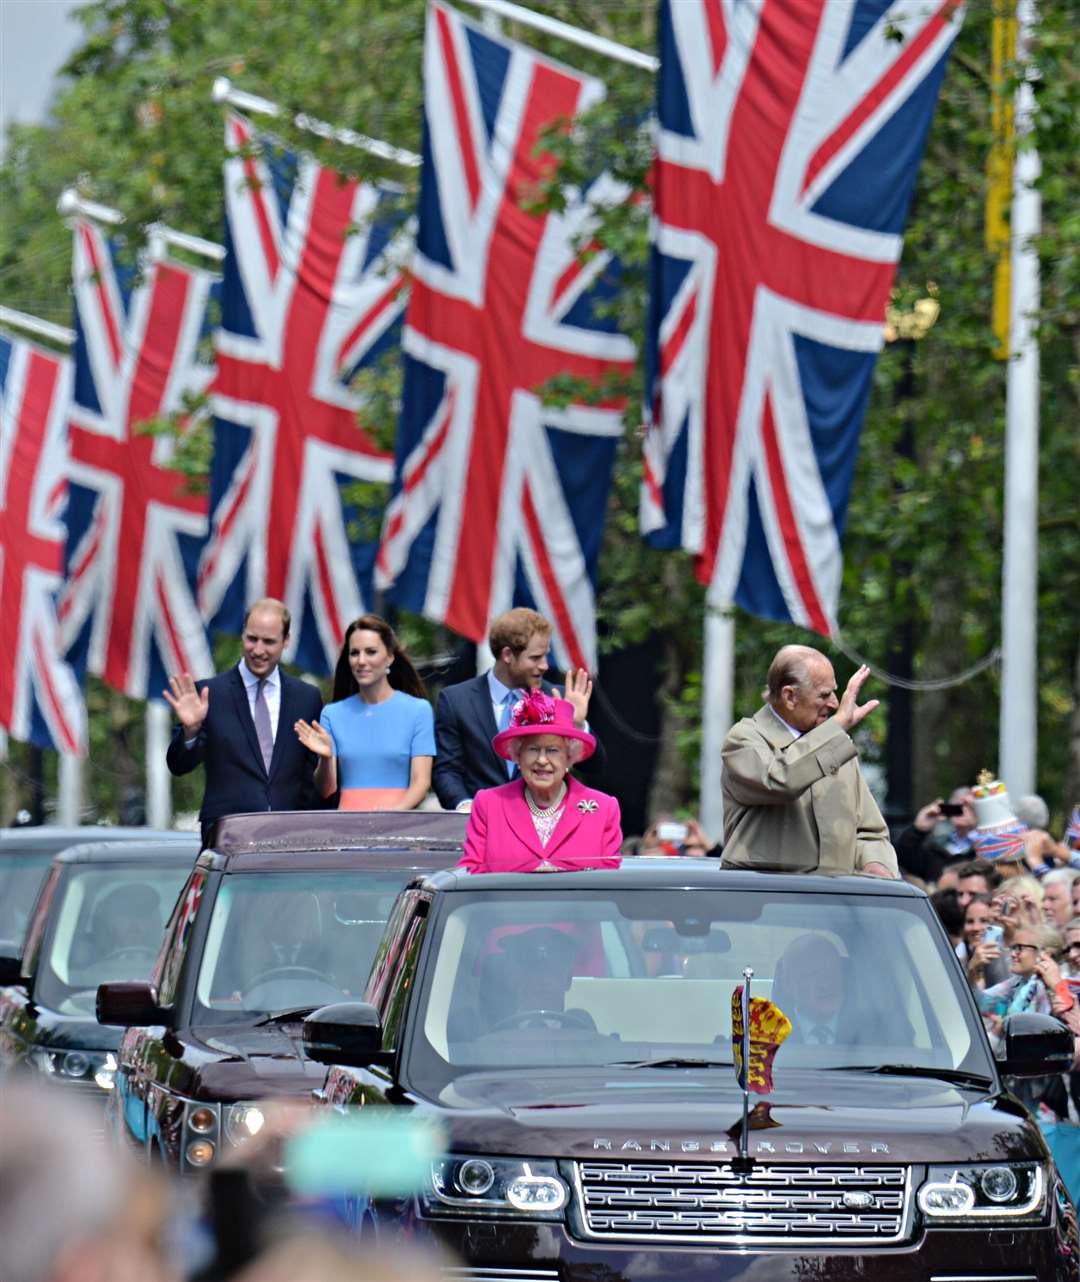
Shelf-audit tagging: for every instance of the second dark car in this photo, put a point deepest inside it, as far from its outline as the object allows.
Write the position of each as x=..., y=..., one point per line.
x=284, y=914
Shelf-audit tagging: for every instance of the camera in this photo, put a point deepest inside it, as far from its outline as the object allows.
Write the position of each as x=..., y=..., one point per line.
x=952, y=809
x=994, y=935
x=671, y=831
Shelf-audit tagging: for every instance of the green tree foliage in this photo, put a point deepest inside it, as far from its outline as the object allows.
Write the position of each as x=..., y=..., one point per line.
x=135, y=127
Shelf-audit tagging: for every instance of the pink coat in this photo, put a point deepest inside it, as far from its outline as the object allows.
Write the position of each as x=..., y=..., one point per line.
x=501, y=836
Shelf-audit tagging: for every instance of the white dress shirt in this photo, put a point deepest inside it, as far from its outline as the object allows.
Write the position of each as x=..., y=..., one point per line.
x=271, y=693
x=795, y=734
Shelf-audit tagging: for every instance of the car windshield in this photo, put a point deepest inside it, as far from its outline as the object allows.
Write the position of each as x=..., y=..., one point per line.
x=532, y=979
x=281, y=941
x=108, y=921
x=20, y=880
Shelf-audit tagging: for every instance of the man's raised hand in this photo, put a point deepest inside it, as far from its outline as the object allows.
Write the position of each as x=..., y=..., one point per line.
x=189, y=705
x=578, y=692
x=850, y=712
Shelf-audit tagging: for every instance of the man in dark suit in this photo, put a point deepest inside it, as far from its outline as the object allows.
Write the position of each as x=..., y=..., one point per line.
x=239, y=724
x=470, y=714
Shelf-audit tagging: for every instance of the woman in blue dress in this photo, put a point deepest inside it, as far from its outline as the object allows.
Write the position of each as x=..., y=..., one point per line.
x=375, y=740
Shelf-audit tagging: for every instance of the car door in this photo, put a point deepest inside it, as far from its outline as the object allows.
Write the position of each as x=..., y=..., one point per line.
x=18, y=1025
x=144, y=1070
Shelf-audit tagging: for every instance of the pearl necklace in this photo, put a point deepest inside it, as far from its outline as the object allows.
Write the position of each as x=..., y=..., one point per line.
x=545, y=812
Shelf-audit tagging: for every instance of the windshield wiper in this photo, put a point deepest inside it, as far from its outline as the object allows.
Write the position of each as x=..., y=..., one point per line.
x=958, y=1075
x=285, y=1016
x=671, y=1062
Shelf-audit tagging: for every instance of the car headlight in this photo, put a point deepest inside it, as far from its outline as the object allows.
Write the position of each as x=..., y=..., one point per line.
x=495, y=1186
x=200, y=1134
x=72, y=1066
x=998, y=1191
x=105, y=1073
x=242, y=1121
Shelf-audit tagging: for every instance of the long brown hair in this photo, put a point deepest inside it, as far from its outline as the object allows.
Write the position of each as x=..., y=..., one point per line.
x=402, y=674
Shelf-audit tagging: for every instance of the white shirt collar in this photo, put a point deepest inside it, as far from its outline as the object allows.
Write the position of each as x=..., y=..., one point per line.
x=496, y=689
x=250, y=680
x=795, y=734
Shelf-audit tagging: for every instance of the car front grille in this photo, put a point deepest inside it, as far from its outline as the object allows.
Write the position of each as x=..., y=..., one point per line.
x=708, y=1202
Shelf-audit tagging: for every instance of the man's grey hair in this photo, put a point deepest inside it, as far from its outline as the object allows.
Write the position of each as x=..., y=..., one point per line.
x=60, y=1187
x=790, y=667
x=1033, y=811
x=1060, y=877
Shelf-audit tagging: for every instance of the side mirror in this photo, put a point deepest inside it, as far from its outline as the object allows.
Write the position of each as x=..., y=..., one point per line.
x=1036, y=1046
x=10, y=971
x=129, y=1005
x=346, y=1033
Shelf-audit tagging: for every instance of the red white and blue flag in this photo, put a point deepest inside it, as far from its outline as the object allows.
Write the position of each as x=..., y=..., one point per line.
x=128, y=612
x=311, y=294
x=788, y=144
x=500, y=499
x=40, y=699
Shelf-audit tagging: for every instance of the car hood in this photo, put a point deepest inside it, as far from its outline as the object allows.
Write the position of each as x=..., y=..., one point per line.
x=241, y=1061
x=73, y=1032
x=649, y=1113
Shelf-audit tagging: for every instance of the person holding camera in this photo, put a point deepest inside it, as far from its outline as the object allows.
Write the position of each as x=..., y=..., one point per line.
x=672, y=837
x=938, y=837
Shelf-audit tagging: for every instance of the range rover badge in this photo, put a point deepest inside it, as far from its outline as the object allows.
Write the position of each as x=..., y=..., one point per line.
x=858, y=1200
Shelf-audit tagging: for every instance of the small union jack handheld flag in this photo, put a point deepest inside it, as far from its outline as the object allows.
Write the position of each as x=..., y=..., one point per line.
x=1072, y=829
x=310, y=295
x=128, y=611
x=500, y=499
x=789, y=139
x=40, y=699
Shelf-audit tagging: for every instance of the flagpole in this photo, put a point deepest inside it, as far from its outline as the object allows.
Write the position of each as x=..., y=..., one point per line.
x=743, y=1163
x=572, y=35
x=717, y=713
x=224, y=91
x=1020, y=560
x=159, y=812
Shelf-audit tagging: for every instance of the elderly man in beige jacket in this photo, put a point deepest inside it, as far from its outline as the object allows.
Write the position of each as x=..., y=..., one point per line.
x=794, y=796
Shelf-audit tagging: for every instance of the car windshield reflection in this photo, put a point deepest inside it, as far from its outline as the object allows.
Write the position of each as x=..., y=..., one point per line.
x=526, y=979
x=286, y=941
x=108, y=927
x=20, y=879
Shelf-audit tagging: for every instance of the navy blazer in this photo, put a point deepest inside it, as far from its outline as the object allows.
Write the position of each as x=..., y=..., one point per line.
x=227, y=744
x=465, y=761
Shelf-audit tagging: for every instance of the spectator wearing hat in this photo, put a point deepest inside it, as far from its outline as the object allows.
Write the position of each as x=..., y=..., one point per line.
x=544, y=820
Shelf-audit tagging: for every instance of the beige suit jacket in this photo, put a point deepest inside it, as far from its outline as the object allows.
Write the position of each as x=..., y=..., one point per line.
x=798, y=805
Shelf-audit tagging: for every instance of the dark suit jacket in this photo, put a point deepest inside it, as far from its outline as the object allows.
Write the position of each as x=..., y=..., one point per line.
x=236, y=780
x=465, y=761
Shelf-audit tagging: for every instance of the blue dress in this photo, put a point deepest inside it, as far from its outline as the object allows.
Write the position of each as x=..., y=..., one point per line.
x=374, y=744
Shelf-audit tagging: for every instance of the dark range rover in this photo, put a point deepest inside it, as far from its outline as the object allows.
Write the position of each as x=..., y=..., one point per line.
x=282, y=915
x=99, y=916
x=571, y=1033
x=25, y=854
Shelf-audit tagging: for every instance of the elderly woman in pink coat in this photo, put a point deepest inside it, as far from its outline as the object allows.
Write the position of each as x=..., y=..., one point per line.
x=544, y=820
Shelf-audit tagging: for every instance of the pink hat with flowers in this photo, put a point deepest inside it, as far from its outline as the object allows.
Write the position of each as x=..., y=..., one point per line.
x=540, y=713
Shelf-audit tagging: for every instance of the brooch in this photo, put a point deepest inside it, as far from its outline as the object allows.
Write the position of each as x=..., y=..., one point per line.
x=587, y=807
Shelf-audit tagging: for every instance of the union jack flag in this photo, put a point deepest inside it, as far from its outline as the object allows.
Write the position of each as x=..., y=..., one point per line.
x=499, y=498
x=310, y=295
x=788, y=144
x=1002, y=843
x=1072, y=829
x=40, y=699
x=128, y=612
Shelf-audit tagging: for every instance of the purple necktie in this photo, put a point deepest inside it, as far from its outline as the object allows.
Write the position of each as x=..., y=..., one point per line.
x=261, y=715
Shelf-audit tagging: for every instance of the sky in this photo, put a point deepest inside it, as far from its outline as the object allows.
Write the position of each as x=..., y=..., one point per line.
x=36, y=38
